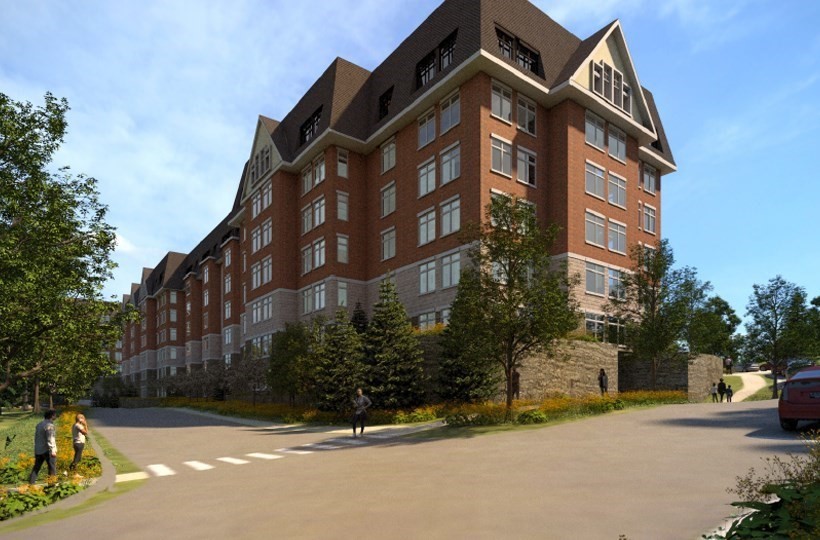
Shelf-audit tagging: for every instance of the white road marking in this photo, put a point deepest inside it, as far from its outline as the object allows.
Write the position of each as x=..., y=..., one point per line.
x=233, y=461
x=161, y=470
x=294, y=451
x=128, y=477
x=259, y=455
x=198, y=465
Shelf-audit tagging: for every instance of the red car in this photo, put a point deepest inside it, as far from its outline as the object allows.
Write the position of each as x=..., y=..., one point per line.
x=800, y=398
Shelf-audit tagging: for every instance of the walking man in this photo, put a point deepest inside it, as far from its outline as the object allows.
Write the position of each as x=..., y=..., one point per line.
x=360, y=403
x=721, y=388
x=45, y=446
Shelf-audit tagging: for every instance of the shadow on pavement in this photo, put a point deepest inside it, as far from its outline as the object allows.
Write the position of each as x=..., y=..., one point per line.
x=153, y=418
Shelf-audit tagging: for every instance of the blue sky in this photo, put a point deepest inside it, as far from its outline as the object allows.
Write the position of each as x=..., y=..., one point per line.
x=165, y=96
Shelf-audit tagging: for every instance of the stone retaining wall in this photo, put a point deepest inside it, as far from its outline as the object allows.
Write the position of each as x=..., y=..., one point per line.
x=572, y=369
x=692, y=375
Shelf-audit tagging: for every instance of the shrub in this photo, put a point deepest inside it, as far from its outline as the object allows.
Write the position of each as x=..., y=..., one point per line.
x=484, y=414
x=533, y=416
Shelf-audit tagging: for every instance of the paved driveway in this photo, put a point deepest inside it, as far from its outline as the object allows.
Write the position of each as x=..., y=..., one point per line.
x=657, y=473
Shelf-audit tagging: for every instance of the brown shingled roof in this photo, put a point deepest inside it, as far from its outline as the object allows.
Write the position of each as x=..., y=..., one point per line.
x=661, y=146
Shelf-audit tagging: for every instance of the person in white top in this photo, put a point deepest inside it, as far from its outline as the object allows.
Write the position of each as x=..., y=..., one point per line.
x=78, y=432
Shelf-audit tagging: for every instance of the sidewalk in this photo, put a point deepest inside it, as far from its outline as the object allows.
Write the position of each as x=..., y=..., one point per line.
x=752, y=382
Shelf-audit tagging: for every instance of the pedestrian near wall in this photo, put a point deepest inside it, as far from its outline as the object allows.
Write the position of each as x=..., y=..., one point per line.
x=45, y=446
x=360, y=404
x=603, y=382
x=714, y=393
x=78, y=433
x=729, y=393
x=721, y=389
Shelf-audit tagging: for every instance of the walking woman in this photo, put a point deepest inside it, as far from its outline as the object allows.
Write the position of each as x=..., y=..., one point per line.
x=360, y=403
x=78, y=432
x=603, y=381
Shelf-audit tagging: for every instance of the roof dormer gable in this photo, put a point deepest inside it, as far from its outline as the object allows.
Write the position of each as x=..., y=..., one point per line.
x=264, y=158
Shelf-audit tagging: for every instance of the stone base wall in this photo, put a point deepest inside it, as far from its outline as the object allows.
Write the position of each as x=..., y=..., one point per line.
x=572, y=369
x=692, y=375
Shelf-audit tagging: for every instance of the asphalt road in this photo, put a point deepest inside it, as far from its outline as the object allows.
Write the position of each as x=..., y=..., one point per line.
x=651, y=474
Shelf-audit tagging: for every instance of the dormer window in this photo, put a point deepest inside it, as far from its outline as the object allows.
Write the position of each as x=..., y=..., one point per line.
x=447, y=51
x=426, y=70
x=384, y=102
x=311, y=127
x=609, y=83
x=514, y=49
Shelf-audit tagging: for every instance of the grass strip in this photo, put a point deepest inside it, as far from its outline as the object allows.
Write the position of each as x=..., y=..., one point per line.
x=121, y=463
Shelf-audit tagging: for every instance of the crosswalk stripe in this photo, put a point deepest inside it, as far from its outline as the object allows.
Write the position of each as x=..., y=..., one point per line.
x=198, y=465
x=232, y=461
x=161, y=470
x=294, y=451
x=128, y=477
x=259, y=455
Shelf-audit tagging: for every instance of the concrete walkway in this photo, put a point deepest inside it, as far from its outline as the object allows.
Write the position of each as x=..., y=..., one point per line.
x=752, y=382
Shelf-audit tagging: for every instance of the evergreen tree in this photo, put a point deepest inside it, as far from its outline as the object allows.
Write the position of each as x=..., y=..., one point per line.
x=338, y=356
x=396, y=365
x=359, y=319
x=288, y=351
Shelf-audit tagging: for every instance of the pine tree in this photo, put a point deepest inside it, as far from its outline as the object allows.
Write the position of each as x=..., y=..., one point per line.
x=394, y=356
x=338, y=356
x=359, y=319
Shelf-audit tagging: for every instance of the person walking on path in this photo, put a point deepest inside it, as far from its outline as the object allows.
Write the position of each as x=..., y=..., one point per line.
x=714, y=393
x=78, y=432
x=603, y=381
x=45, y=446
x=729, y=393
x=360, y=403
x=721, y=388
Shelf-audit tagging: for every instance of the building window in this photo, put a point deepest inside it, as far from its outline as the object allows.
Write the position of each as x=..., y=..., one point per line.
x=307, y=179
x=427, y=320
x=450, y=270
x=526, y=115
x=205, y=320
x=319, y=296
x=307, y=301
x=594, y=180
x=388, y=156
x=228, y=310
x=617, y=237
x=447, y=51
x=389, y=199
x=506, y=44
x=173, y=332
x=307, y=259
x=526, y=166
x=319, y=211
x=650, y=178
x=615, y=282
x=388, y=244
x=527, y=58
x=173, y=294
x=227, y=287
x=384, y=102
x=427, y=177
x=427, y=128
x=450, y=216
x=595, y=278
x=617, y=143
x=502, y=157
x=319, y=253
x=450, y=112
x=341, y=249
x=256, y=275
x=594, y=325
x=205, y=297
x=609, y=83
x=173, y=315
x=267, y=270
x=319, y=170
x=256, y=204
x=341, y=205
x=341, y=294
x=341, y=162
x=595, y=229
x=256, y=240
x=205, y=274
x=502, y=102
x=617, y=191
x=648, y=219
x=227, y=336
x=310, y=128
x=450, y=164
x=512, y=48
x=307, y=219
x=594, y=131
x=267, y=195
x=426, y=70
x=427, y=227
x=427, y=277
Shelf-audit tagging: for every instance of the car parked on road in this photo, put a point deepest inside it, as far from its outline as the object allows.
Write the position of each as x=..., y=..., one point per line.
x=800, y=398
x=753, y=367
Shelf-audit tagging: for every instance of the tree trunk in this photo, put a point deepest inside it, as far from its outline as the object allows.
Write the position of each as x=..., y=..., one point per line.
x=36, y=394
x=51, y=400
x=508, y=413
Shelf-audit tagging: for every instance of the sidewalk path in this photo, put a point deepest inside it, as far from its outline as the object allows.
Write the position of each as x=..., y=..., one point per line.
x=752, y=382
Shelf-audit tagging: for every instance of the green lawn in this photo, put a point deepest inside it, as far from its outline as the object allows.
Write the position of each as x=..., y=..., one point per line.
x=764, y=393
x=17, y=433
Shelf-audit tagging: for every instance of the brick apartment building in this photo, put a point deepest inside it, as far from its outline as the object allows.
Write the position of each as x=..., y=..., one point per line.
x=376, y=172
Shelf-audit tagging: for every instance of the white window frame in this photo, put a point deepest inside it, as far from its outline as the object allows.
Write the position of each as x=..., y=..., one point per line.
x=427, y=177
x=527, y=164
x=503, y=148
x=318, y=211
x=341, y=294
x=342, y=205
x=388, y=242
x=650, y=179
x=307, y=179
x=450, y=112
x=307, y=259
x=594, y=127
x=598, y=221
x=267, y=269
x=388, y=199
x=342, y=159
x=427, y=277
x=227, y=289
x=267, y=195
x=598, y=174
x=427, y=320
x=616, y=140
x=319, y=258
x=596, y=272
x=227, y=309
x=267, y=232
x=650, y=221
x=319, y=170
x=527, y=111
x=616, y=190
x=388, y=151
x=427, y=226
x=501, y=102
x=450, y=215
x=427, y=128
x=450, y=163
x=307, y=219
x=342, y=248
x=450, y=270
x=616, y=231
x=256, y=239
